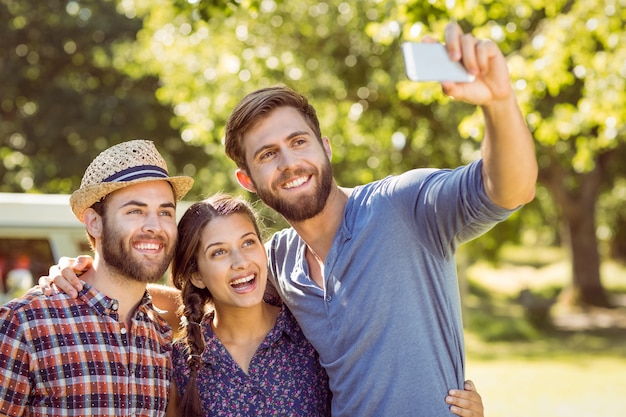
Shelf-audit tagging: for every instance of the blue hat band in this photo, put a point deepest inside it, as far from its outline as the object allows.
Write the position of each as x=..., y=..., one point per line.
x=137, y=173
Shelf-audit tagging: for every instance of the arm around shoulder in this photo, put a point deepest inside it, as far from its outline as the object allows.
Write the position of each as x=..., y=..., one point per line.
x=168, y=299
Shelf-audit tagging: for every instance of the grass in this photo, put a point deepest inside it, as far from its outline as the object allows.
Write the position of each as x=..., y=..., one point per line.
x=568, y=387
x=575, y=367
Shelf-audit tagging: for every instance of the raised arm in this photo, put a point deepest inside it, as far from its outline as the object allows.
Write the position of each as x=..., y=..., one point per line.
x=509, y=162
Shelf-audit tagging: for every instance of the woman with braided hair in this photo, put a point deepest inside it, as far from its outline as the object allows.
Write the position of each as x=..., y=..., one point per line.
x=239, y=355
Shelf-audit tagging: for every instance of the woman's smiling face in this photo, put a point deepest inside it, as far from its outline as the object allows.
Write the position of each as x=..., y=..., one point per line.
x=232, y=262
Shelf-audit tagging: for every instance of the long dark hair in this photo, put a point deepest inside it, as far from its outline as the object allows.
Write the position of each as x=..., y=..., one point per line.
x=195, y=300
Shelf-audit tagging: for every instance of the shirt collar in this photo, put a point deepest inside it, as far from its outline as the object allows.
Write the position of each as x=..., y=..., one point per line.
x=285, y=325
x=105, y=305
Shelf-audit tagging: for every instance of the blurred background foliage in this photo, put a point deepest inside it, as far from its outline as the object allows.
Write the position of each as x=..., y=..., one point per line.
x=79, y=76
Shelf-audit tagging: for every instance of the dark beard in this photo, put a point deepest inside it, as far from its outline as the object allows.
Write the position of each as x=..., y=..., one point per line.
x=307, y=207
x=123, y=262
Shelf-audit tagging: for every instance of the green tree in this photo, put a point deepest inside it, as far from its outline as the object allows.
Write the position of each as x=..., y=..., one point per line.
x=63, y=98
x=578, y=119
x=568, y=64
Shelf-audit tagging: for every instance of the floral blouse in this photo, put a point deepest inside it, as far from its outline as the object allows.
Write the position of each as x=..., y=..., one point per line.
x=285, y=377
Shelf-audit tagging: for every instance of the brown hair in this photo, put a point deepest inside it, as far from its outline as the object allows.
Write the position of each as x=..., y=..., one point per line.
x=195, y=300
x=255, y=107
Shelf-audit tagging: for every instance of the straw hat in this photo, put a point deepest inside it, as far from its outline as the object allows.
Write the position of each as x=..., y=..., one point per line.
x=125, y=164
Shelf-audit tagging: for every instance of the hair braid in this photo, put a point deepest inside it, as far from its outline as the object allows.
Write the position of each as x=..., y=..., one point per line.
x=193, y=308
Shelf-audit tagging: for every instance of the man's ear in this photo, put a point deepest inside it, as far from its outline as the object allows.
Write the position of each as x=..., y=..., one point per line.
x=196, y=280
x=327, y=148
x=93, y=222
x=245, y=181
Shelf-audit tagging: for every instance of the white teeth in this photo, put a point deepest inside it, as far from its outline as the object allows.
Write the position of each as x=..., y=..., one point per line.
x=296, y=183
x=147, y=246
x=242, y=280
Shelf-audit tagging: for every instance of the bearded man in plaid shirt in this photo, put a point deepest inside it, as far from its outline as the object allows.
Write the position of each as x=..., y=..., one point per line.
x=106, y=353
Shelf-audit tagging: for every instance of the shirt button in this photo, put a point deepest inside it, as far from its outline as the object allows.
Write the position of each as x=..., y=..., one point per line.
x=123, y=331
x=328, y=298
x=114, y=306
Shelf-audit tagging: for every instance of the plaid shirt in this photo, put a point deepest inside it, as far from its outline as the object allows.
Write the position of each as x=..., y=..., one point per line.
x=65, y=357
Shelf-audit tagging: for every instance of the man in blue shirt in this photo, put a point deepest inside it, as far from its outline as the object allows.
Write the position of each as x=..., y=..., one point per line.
x=370, y=272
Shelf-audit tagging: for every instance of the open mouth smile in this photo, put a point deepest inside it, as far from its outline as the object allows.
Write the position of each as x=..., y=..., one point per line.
x=144, y=246
x=297, y=182
x=244, y=283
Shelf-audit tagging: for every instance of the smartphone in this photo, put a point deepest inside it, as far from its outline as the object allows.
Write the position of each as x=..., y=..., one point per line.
x=431, y=62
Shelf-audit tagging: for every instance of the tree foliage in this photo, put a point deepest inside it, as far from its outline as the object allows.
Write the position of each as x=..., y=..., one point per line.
x=65, y=99
x=568, y=65
x=566, y=58
x=569, y=69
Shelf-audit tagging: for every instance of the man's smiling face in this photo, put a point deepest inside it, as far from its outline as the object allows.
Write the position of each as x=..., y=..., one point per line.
x=288, y=166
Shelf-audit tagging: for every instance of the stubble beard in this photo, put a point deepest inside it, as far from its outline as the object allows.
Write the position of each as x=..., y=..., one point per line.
x=123, y=261
x=306, y=207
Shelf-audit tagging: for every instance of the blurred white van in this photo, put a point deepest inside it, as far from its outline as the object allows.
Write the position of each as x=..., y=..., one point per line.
x=35, y=230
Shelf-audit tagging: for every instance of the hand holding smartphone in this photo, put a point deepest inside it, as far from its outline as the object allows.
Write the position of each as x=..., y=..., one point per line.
x=431, y=62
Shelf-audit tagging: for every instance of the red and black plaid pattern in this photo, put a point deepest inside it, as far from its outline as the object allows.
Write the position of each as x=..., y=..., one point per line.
x=64, y=357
